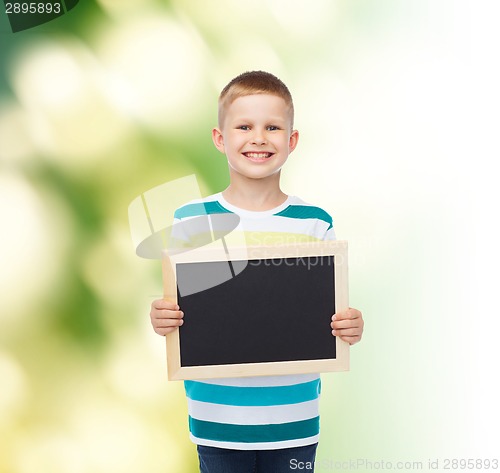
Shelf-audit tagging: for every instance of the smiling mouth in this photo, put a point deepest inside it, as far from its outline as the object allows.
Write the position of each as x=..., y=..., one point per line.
x=259, y=156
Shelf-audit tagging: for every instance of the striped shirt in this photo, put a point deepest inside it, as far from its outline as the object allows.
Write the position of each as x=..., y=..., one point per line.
x=264, y=412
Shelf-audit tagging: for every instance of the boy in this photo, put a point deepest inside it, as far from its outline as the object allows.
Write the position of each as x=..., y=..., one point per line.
x=269, y=423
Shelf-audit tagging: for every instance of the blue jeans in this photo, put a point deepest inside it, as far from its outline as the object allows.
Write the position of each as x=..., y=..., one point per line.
x=221, y=460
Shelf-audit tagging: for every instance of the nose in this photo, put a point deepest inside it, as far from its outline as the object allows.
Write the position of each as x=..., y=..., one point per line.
x=258, y=138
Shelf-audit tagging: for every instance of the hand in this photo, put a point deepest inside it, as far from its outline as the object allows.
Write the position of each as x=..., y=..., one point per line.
x=348, y=325
x=166, y=316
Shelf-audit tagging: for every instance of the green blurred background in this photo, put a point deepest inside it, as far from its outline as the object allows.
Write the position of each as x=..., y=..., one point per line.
x=397, y=105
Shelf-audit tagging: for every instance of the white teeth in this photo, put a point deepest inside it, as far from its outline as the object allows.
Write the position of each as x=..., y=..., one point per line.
x=258, y=155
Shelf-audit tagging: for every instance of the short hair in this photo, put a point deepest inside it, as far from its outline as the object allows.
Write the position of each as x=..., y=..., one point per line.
x=251, y=83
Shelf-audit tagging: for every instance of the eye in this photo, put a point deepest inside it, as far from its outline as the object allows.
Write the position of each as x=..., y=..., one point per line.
x=243, y=127
x=272, y=128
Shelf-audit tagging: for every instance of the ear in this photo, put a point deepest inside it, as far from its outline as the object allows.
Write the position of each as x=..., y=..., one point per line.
x=294, y=139
x=218, y=140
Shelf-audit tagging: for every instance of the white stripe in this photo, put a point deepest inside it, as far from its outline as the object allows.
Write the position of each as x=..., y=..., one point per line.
x=256, y=446
x=289, y=230
x=253, y=415
x=264, y=381
x=210, y=198
x=294, y=226
x=251, y=214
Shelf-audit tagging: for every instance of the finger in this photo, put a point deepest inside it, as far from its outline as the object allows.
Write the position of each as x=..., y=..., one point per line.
x=166, y=314
x=351, y=332
x=164, y=304
x=347, y=314
x=165, y=323
x=165, y=331
x=348, y=323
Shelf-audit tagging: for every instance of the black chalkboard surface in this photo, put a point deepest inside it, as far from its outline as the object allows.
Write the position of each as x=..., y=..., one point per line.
x=268, y=313
x=274, y=310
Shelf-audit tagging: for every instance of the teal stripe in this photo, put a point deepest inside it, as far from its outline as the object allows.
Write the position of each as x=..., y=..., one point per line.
x=202, y=208
x=254, y=433
x=306, y=211
x=252, y=396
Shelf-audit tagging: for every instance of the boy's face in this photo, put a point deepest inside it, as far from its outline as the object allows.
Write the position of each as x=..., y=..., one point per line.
x=256, y=136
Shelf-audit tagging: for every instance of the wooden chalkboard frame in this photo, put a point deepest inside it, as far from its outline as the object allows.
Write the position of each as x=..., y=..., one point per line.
x=336, y=248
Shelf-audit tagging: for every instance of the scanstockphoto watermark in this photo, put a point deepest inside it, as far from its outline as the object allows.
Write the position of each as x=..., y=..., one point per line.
x=362, y=464
x=307, y=262
x=365, y=464
x=25, y=15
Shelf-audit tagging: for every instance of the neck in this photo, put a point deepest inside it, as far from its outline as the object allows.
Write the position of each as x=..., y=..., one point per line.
x=256, y=195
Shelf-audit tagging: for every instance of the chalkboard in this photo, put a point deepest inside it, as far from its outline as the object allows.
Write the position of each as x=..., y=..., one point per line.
x=257, y=310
